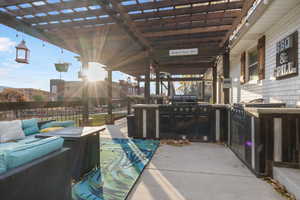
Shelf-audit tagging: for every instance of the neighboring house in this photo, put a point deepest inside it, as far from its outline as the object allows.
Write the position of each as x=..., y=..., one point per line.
x=72, y=90
x=264, y=55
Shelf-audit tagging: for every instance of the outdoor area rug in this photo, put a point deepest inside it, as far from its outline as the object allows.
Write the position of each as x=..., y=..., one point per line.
x=122, y=161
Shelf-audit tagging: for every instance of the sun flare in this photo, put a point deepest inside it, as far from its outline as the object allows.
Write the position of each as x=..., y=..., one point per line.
x=95, y=72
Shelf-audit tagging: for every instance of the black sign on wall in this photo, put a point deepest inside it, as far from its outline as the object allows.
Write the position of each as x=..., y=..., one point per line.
x=287, y=57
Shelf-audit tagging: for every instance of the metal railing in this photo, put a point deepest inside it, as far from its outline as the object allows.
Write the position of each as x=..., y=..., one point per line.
x=44, y=111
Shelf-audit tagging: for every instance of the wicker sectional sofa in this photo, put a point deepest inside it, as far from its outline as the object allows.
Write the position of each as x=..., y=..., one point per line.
x=34, y=168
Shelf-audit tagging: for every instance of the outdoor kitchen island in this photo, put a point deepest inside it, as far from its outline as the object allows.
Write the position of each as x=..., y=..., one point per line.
x=196, y=122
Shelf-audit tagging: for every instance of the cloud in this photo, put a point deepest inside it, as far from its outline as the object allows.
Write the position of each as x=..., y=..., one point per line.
x=6, y=44
x=4, y=71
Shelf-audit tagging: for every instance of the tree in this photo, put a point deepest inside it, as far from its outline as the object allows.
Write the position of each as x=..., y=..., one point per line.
x=188, y=87
x=12, y=95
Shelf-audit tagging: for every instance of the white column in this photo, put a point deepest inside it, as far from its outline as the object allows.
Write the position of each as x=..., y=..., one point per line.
x=277, y=139
x=157, y=123
x=217, y=125
x=144, y=123
x=253, y=142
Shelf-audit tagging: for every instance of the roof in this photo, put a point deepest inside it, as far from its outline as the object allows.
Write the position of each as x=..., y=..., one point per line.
x=126, y=34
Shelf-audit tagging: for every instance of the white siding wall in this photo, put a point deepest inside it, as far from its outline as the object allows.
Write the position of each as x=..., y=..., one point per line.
x=286, y=90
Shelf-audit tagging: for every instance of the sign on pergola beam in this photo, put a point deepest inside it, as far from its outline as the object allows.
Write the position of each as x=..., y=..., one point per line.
x=188, y=31
x=124, y=21
x=201, y=52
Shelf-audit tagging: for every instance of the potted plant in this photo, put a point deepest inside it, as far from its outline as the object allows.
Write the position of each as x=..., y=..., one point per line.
x=62, y=67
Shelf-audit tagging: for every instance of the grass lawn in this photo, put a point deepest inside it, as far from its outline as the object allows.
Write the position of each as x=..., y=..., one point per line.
x=99, y=119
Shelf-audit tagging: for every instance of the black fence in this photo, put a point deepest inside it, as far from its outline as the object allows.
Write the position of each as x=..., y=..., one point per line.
x=265, y=139
x=244, y=141
x=42, y=110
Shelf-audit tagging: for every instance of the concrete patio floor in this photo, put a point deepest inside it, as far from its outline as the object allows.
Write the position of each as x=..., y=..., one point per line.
x=200, y=171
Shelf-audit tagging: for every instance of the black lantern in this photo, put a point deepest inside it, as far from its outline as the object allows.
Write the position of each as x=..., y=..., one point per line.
x=22, y=53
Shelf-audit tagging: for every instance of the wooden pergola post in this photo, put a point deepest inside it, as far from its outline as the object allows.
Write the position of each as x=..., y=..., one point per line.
x=147, y=84
x=138, y=86
x=157, y=80
x=203, y=89
x=215, y=84
x=226, y=65
x=109, y=97
x=85, y=96
x=169, y=85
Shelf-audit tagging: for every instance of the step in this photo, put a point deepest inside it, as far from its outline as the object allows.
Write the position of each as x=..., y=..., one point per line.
x=290, y=178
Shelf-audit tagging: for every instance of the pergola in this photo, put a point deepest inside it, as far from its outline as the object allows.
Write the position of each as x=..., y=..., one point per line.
x=132, y=35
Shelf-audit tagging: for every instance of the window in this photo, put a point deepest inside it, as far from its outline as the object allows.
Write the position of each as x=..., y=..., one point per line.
x=253, y=65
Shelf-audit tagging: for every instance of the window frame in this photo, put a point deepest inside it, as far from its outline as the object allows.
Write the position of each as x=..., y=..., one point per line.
x=248, y=65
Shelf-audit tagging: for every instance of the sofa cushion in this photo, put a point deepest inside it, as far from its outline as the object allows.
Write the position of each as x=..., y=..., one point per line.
x=64, y=124
x=30, y=126
x=50, y=129
x=26, y=152
x=3, y=167
x=11, y=130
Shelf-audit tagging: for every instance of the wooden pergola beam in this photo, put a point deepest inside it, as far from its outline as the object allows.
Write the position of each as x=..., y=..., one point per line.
x=190, y=36
x=246, y=6
x=188, y=40
x=14, y=2
x=178, y=79
x=143, y=26
x=186, y=25
x=188, y=31
x=153, y=21
x=146, y=6
x=21, y=26
x=198, y=17
x=188, y=44
x=124, y=21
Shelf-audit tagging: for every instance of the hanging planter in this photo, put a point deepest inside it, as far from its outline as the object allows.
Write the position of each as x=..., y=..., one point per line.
x=62, y=67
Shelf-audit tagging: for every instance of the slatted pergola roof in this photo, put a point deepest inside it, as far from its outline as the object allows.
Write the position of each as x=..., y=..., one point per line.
x=126, y=34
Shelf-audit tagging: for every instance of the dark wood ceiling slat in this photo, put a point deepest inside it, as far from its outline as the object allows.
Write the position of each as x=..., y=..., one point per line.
x=186, y=24
x=152, y=24
x=91, y=13
x=14, y=2
x=188, y=31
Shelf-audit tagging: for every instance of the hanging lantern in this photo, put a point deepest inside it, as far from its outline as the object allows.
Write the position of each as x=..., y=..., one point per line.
x=22, y=53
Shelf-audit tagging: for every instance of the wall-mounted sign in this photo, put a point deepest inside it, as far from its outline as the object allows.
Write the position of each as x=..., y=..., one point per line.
x=287, y=57
x=227, y=83
x=183, y=52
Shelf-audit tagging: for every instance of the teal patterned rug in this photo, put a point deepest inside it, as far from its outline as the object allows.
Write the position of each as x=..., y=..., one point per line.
x=122, y=161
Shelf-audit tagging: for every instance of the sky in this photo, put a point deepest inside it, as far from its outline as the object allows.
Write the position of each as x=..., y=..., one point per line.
x=41, y=69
